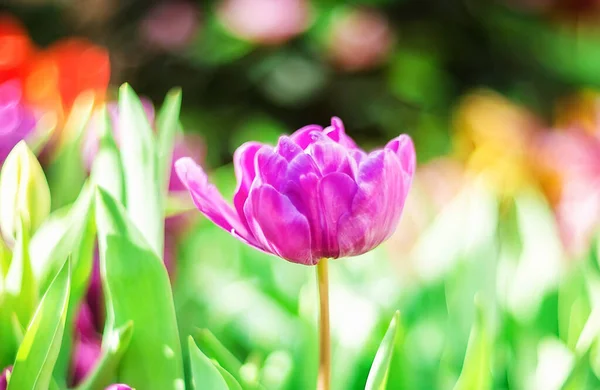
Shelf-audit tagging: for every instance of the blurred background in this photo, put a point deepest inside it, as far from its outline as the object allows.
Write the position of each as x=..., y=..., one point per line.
x=499, y=97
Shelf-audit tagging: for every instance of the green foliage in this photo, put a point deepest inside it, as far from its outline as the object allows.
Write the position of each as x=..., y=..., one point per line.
x=378, y=376
x=41, y=344
x=476, y=372
x=133, y=273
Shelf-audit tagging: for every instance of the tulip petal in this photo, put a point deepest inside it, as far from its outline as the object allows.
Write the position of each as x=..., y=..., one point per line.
x=405, y=150
x=287, y=148
x=209, y=201
x=377, y=206
x=245, y=172
x=86, y=353
x=303, y=137
x=336, y=192
x=270, y=167
x=337, y=133
x=332, y=157
x=278, y=225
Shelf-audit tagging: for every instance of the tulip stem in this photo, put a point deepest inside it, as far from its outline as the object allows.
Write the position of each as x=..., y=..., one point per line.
x=324, y=377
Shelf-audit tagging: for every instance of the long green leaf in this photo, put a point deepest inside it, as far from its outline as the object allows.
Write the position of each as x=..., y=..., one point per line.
x=82, y=233
x=378, y=375
x=137, y=288
x=205, y=375
x=140, y=169
x=114, y=346
x=476, y=371
x=167, y=124
x=232, y=383
x=107, y=171
x=217, y=351
x=20, y=284
x=66, y=173
x=67, y=232
x=38, y=353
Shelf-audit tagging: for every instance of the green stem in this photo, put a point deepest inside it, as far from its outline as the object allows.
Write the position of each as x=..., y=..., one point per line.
x=324, y=378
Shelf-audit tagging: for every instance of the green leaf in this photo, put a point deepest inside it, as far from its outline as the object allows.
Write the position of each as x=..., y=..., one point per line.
x=167, y=124
x=107, y=171
x=82, y=233
x=217, y=351
x=140, y=169
x=205, y=375
x=137, y=289
x=18, y=329
x=18, y=297
x=20, y=284
x=68, y=233
x=579, y=373
x=114, y=346
x=38, y=352
x=66, y=173
x=229, y=379
x=378, y=375
x=476, y=371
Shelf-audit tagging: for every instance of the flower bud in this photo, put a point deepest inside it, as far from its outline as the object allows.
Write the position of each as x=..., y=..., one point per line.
x=119, y=386
x=4, y=375
x=24, y=192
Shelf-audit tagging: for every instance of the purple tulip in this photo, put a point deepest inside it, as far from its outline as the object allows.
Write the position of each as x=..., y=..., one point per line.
x=87, y=346
x=315, y=195
x=85, y=356
x=119, y=386
x=17, y=121
x=4, y=377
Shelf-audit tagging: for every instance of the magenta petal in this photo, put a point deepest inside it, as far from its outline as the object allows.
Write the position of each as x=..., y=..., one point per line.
x=118, y=386
x=377, y=206
x=287, y=148
x=209, y=201
x=278, y=225
x=4, y=377
x=271, y=167
x=86, y=353
x=303, y=137
x=405, y=150
x=245, y=172
x=337, y=133
x=336, y=192
x=332, y=157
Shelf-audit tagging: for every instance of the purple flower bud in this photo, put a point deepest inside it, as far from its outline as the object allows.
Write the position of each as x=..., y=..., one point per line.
x=119, y=386
x=315, y=195
x=4, y=377
x=17, y=121
x=86, y=352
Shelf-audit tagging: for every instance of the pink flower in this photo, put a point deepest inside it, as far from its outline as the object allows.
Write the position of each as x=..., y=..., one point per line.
x=170, y=25
x=574, y=156
x=315, y=195
x=264, y=21
x=359, y=39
